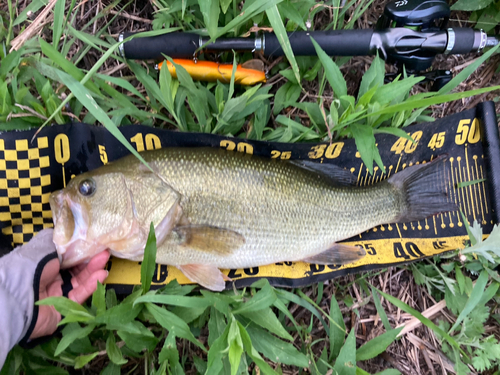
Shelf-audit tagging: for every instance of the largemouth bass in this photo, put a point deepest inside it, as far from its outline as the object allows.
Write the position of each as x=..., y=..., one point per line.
x=213, y=208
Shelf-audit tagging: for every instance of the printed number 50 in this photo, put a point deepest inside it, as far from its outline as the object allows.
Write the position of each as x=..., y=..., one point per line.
x=464, y=134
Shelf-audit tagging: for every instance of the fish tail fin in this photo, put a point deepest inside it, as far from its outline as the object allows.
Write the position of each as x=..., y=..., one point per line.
x=423, y=190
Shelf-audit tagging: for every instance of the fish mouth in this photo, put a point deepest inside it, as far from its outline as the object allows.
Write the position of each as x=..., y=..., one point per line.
x=70, y=231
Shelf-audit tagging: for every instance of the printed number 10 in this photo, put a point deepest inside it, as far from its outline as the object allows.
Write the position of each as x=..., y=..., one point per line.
x=152, y=142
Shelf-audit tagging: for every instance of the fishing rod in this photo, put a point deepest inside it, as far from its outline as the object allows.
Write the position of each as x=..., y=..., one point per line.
x=410, y=32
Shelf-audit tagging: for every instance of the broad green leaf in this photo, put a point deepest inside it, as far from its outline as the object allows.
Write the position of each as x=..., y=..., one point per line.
x=416, y=101
x=224, y=4
x=377, y=345
x=74, y=332
x=122, y=313
x=471, y=5
x=346, y=361
x=365, y=143
x=301, y=302
x=138, y=342
x=373, y=78
x=332, y=71
x=82, y=360
x=173, y=300
x=170, y=353
x=235, y=346
x=64, y=305
x=173, y=323
x=214, y=357
x=113, y=351
x=279, y=30
x=275, y=349
x=337, y=329
x=111, y=369
x=9, y=62
x=168, y=94
x=254, y=354
x=99, y=299
x=210, y=11
x=261, y=300
x=394, y=91
x=289, y=11
x=475, y=298
x=149, y=262
x=389, y=371
x=266, y=319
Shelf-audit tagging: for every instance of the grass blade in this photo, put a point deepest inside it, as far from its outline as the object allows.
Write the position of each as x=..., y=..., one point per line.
x=425, y=321
x=149, y=261
x=58, y=22
x=462, y=76
x=83, y=95
x=279, y=30
x=332, y=71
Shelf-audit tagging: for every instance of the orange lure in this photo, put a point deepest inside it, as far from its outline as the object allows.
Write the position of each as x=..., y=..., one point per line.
x=246, y=74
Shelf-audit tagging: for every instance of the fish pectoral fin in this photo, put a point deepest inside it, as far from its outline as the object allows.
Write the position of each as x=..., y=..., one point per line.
x=337, y=254
x=206, y=275
x=210, y=239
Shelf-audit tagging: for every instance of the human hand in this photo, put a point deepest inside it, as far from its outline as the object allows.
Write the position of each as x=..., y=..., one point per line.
x=84, y=281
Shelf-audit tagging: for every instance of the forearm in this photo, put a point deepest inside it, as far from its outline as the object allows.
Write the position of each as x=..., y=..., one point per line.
x=20, y=273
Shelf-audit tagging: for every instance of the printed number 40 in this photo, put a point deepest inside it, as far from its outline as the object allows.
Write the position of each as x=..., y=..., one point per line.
x=403, y=144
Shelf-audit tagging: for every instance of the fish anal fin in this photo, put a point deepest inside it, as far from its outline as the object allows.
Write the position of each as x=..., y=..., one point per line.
x=206, y=275
x=337, y=254
x=210, y=239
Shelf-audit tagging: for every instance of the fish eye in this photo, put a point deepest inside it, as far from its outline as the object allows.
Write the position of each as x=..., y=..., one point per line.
x=87, y=187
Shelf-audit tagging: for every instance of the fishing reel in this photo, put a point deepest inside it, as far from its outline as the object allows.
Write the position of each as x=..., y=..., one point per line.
x=421, y=16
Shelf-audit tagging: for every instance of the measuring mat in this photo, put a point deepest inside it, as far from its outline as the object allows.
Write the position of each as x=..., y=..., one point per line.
x=30, y=169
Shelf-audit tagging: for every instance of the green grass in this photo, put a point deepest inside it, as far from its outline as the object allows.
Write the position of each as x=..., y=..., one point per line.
x=256, y=327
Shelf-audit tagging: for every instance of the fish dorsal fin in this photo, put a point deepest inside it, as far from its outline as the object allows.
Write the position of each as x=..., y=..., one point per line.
x=337, y=254
x=210, y=239
x=206, y=275
x=334, y=174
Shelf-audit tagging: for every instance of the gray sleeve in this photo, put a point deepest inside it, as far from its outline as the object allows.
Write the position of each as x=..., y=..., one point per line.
x=20, y=272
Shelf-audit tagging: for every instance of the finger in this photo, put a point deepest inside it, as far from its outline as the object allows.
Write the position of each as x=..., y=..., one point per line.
x=49, y=273
x=96, y=263
x=77, y=269
x=87, y=287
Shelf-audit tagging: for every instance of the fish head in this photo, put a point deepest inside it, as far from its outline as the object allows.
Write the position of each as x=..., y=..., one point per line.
x=93, y=213
x=109, y=209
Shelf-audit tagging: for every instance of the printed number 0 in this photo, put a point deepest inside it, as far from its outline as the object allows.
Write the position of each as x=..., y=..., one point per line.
x=61, y=148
